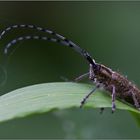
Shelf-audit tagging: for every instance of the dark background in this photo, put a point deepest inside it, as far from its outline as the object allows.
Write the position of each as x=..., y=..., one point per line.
x=110, y=31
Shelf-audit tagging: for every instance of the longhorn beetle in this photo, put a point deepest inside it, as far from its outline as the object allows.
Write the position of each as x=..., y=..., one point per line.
x=103, y=77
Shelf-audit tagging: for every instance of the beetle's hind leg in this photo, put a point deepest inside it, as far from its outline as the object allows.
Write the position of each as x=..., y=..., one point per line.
x=135, y=101
x=113, y=98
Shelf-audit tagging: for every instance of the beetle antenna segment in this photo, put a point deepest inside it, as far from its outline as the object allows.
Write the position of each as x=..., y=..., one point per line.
x=61, y=39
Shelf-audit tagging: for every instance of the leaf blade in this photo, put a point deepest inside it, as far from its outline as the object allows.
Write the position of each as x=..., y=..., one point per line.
x=45, y=97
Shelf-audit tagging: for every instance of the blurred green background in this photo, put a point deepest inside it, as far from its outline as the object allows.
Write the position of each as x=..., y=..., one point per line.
x=110, y=31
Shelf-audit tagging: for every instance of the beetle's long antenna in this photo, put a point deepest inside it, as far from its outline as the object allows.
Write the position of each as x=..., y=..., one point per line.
x=5, y=31
x=61, y=39
x=66, y=43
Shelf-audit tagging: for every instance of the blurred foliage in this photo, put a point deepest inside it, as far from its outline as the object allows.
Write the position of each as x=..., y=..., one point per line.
x=110, y=31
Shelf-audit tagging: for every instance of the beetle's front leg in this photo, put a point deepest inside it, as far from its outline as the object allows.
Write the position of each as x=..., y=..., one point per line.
x=91, y=73
x=79, y=78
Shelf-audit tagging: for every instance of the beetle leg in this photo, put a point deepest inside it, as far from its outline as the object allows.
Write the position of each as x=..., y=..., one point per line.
x=113, y=98
x=135, y=101
x=87, y=96
x=81, y=77
x=91, y=73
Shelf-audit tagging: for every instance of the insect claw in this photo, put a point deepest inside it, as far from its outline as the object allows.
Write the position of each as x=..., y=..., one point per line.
x=81, y=106
x=113, y=108
x=112, y=111
x=82, y=103
x=102, y=110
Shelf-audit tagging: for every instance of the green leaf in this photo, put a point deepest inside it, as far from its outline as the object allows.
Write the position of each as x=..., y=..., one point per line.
x=42, y=98
x=136, y=117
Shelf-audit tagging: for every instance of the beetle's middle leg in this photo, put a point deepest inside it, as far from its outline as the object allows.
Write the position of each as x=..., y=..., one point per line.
x=87, y=96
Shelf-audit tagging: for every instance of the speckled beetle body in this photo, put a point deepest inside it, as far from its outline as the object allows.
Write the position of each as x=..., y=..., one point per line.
x=102, y=76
